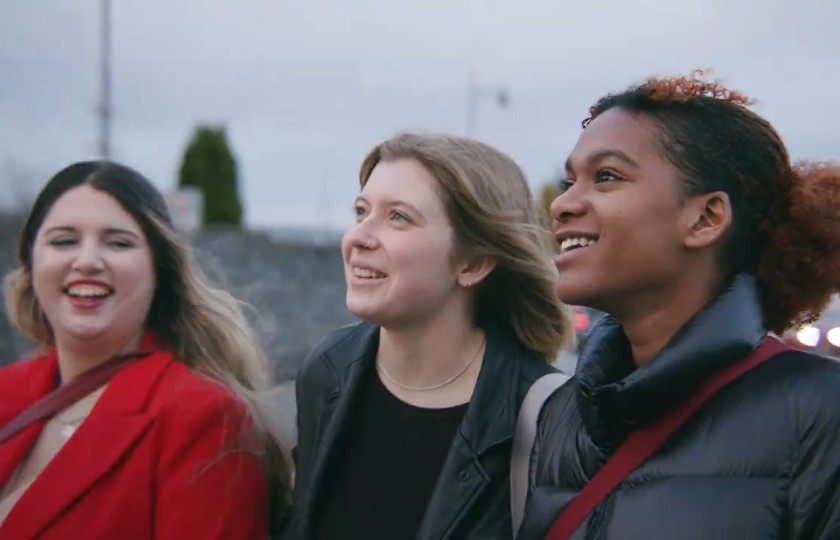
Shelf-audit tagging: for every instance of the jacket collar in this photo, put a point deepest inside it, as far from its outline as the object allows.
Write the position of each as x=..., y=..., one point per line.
x=341, y=399
x=22, y=384
x=117, y=420
x=614, y=396
x=491, y=415
x=490, y=419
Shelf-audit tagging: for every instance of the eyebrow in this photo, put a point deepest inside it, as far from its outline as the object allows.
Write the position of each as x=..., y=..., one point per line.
x=602, y=155
x=392, y=202
x=110, y=230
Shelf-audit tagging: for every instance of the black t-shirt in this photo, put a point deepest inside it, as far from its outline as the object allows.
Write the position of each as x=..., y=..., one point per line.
x=385, y=467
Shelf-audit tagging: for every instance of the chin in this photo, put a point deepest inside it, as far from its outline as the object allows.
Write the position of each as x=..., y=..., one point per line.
x=574, y=294
x=85, y=333
x=376, y=315
x=370, y=317
x=363, y=311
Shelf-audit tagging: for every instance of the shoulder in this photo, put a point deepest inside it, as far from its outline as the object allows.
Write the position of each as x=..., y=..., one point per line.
x=507, y=359
x=560, y=411
x=26, y=380
x=799, y=392
x=200, y=426
x=12, y=374
x=336, y=352
x=532, y=368
x=185, y=396
x=530, y=365
x=808, y=382
x=798, y=373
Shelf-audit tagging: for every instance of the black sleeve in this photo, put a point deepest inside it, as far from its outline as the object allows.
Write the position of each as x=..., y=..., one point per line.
x=814, y=495
x=314, y=380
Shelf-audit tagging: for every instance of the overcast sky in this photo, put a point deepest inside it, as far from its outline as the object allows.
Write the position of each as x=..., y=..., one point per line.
x=306, y=87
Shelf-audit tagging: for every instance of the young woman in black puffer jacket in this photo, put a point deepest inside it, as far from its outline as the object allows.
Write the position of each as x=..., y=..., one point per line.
x=684, y=219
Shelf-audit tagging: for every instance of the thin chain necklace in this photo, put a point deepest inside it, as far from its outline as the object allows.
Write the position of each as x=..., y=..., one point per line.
x=436, y=386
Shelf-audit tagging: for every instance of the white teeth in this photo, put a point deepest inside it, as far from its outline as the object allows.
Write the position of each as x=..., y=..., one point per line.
x=572, y=243
x=366, y=273
x=88, y=291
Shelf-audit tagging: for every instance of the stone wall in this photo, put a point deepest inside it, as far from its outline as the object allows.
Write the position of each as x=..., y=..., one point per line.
x=295, y=288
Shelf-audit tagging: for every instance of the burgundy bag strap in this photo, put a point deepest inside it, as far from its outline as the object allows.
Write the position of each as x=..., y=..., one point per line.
x=644, y=441
x=67, y=394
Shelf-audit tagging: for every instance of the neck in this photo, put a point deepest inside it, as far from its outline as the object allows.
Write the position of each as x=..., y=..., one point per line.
x=76, y=357
x=428, y=354
x=652, y=321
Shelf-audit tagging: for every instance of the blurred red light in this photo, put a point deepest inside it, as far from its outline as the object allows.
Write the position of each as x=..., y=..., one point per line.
x=581, y=321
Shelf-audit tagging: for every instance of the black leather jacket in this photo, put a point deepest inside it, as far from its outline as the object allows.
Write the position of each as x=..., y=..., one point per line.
x=471, y=499
x=760, y=459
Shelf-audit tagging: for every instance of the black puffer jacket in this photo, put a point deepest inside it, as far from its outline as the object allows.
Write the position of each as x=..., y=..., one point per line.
x=760, y=459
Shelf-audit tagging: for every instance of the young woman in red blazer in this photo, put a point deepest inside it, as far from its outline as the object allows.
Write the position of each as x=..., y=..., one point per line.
x=176, y=444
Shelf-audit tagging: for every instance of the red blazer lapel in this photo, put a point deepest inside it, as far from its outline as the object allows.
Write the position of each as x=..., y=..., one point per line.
x=21, y=385
x=118, y=420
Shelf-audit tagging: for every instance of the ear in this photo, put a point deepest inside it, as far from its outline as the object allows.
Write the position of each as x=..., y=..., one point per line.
x=474, y=270
x=709, y=218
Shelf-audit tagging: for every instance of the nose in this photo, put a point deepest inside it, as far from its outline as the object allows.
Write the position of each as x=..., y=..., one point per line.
x=361, y=235
x=571, y=203
x=88, y=259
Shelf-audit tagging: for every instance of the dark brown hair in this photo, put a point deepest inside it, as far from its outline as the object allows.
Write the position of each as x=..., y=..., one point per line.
x=784, y=230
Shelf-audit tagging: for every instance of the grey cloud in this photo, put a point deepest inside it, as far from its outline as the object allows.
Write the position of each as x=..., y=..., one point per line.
x=307, y=87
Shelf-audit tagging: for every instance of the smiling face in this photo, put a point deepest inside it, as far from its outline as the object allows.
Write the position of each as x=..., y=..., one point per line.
x=398, y=260
x=620, y=222
x=92, y=269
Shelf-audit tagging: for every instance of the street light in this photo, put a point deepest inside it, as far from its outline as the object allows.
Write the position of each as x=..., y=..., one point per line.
x=474, y=93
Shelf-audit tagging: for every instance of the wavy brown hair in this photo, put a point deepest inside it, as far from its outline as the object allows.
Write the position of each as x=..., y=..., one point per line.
x=493, y=214
x=785, y=230
x=203, y=326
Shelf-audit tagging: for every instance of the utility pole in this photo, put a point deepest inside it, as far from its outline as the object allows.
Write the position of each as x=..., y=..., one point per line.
x=104, y=108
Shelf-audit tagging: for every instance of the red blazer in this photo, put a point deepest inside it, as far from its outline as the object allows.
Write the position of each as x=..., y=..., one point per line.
x=161, y=456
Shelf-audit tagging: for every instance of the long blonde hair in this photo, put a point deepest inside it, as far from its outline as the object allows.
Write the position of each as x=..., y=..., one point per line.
x=203, y=326
x=493, y=214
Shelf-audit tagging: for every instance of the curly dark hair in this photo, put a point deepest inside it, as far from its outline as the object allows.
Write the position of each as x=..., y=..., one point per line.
x=784, y=228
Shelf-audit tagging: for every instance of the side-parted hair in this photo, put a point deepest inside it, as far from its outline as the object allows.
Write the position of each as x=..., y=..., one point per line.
x=493, y=214
x=203, y=326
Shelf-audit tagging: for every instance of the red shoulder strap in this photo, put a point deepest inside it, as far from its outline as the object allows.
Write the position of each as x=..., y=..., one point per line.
x=644, y=441
x=65, y=395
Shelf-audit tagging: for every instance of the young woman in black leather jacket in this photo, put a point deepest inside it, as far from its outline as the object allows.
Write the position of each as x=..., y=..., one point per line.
x=406, y=420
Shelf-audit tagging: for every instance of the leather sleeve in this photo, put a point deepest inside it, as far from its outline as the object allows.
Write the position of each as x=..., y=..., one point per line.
x=313, y=383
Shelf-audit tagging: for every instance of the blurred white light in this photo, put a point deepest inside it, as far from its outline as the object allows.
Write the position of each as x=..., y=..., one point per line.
x=833, y=336
x=809, y=336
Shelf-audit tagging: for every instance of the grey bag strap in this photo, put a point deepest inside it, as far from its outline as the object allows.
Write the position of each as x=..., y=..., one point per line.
x=523, y=442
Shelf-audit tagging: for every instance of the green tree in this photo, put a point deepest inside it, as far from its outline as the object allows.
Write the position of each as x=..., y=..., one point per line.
x=209, y=165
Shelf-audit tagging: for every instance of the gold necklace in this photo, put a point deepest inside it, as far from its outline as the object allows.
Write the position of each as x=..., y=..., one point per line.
x=435, y=386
